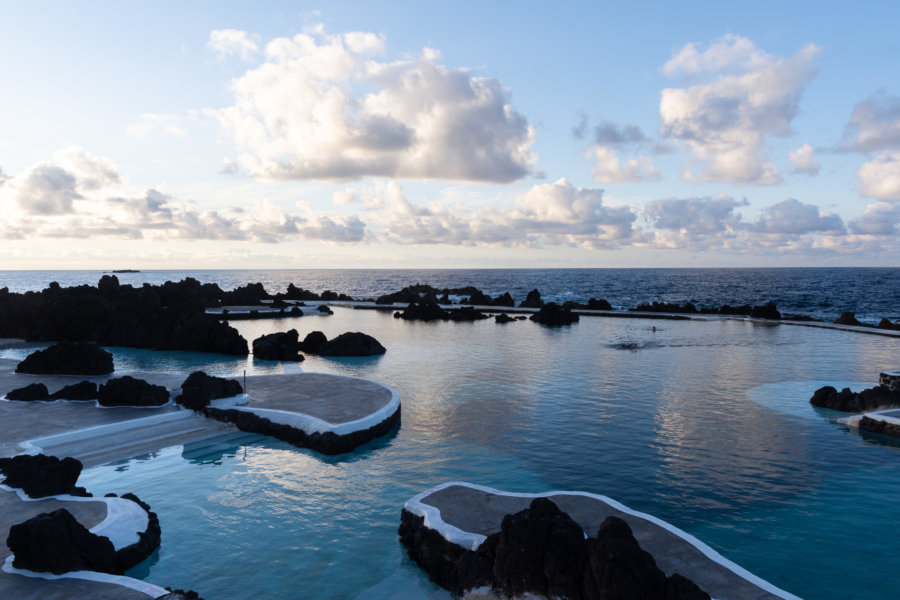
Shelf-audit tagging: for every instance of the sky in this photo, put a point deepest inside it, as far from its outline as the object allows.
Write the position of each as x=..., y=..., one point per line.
x=192, y=135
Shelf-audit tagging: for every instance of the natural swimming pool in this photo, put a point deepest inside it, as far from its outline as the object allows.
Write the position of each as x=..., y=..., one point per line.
x=703, y=424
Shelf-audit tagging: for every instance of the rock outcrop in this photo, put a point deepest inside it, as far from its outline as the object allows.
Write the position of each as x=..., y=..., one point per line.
x=423, y=311
x=129, y=391
x=847, y=318
x=83, y=390
x=554, y=315
x=199, y=389
x=503, y=318
x=278, y=346
x=352, y=344
x=532, y=300
x=40, y=475
x=68, y=358
x=57, y=543
x=30, y=393
x=848, y=401
x=313, y=342
x=879, y=426
x=541, y=551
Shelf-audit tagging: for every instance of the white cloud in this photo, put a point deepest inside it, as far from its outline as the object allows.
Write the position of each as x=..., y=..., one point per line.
x=695, y=217
x=803, y=161
x=47, y=190
x=879, y=219
x=880, y=177
x=609, y=169
x=226, y=42
x=150, y=123
x=792, y=217
x=321, y=107
x=743, y=96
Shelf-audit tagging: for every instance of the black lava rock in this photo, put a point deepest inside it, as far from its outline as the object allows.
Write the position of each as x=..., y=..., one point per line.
x=503, y=318
x=129, y=391
x=148, y=541
x=848, y=401
x=466, y=313
x=766, y=311
x=532, y=300
x=29, y=393
x=313, y=342
x=83, y=390
x=68, y=358
x=847, y=318
x=199, y=389
x=617, y=567
x=594, y=304
x=325, y=310
x=40, y=475
x=352, y=344
x=424, y=311
x=278, y=346
x=554, y=315
x=56, y=542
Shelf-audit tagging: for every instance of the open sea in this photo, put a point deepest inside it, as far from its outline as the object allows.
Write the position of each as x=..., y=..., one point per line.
x=704, y=424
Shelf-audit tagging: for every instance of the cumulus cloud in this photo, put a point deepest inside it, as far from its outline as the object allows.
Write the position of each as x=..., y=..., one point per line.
x=149, y=123
x=874, y=129
x=790, y=216
x=741, y=96
x=803, y=161
x=879, y=219
x=226, y=42
x=3, y=177
x=609, y=169
x=695, y=216
x=880, y=177
x=47, y=190
x=608, y=133
x=322, y=107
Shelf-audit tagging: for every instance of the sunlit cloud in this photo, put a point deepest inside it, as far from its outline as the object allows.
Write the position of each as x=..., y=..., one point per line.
x=228, y=42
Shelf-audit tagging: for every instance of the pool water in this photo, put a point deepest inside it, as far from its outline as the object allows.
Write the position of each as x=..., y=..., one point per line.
x=703, y=424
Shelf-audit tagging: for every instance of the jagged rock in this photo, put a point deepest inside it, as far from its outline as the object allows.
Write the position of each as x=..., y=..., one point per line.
x=554, y=315
x=888, y=324
x=478, y=298
x=56, y=542
x=532, y=300
x=313, y=342
x=848, y=401
x=504, y=299
x=602, y=304
x=83, y=390
x=129, y=391
x=424, y=311
x=199, y=389
x=766, y=311
x=666, y=307
x=847, y=318
x=503, y=318
x=617, y=567
x=352, y=344
x=278, y=346
x=325, y=310
x=181, y=595
x=295, y=293
x=29, y=393
x=68, y=358
x=466, y=313
x=879, y=426
x=679, y=587
x=539, y=550
x=40, y=475
x=148, y=541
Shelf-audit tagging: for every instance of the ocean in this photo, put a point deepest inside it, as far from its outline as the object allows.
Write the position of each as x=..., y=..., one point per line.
x=822, y=293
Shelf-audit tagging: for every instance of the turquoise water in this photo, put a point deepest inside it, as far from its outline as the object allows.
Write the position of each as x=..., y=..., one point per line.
x=703, y=424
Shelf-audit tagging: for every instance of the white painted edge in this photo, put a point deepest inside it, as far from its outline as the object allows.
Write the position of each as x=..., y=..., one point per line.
x=892, y=373
x=153, y=591
x=310, y=424
x=878, y=415
x=240, y=399
x=471, y=541
x=124, y=518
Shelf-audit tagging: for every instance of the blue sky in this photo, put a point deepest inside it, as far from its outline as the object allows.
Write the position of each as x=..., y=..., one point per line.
x=465, y=134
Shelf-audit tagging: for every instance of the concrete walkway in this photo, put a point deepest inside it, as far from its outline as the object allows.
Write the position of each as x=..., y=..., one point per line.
x=465, y=514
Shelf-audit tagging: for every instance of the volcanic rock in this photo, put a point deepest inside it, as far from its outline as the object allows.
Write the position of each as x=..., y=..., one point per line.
x=29, y=393
x=129, y=391
x=617, y=567
x=503, y=318
x=83, y=390
x=424, y=311
x=199, y=389
x=313, y=342
x=554, y=315
x=57, y=543
x=68, y=358
x=466, y=313
x=766, y=311
x=325, y=310
x=40, y=475
x=847, y=318
x=278, y=346
x=352, y=344
x=848, y=401
x=532, y=300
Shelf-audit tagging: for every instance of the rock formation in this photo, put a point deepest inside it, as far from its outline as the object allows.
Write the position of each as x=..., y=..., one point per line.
x=848, y=401
x=68, y=358
x=554, y=315
x=278, y=346
x=352, y=344
x=83, y=390
x=199, y=389
x=532, y=300
x=30, y=393
x=40, y=475
x=129, y=391
x=57, y=543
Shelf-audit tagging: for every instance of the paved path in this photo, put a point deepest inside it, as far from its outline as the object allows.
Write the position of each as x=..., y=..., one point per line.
x=480, y=511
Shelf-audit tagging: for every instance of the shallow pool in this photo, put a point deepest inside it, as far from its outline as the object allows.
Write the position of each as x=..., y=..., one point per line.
x=704, y=424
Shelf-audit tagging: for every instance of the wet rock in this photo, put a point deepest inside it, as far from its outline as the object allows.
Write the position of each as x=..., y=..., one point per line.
x=181, y=595
x=130, y=391
x=199, y=389
x=617, y=567
x=325, y=310
x=679, y=587
x=554, y=315
x=767, y=311
x=466, y=313
x=847, y=318
x=888, y=324
x=532, y=300
x=83, y=390
x=666, y=307
x=148, y=540
x=539, y=550
x=594, y=304
x=879, y=426
x=503, y=318
x=313, y=342
x=278, y=346
x=40, y=475
x=503, y=299
x=352, y=344
x=57, y=543
x=68, y=358
x=424, y=311
x=848, y=401
x=30, y=393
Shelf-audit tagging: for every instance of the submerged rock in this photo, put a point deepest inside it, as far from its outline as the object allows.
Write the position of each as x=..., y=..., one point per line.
x=40, y=475
x=57, y=543
x=554, y=315
x=68, y=358
x=30, y=393
x=129, y=391
x=199, y=389
x=278, y=346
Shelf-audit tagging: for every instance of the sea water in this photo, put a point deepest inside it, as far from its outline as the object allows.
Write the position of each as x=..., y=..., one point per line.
x=705, y=424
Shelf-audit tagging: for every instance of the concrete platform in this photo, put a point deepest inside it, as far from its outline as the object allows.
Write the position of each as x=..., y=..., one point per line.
x=465, y=514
